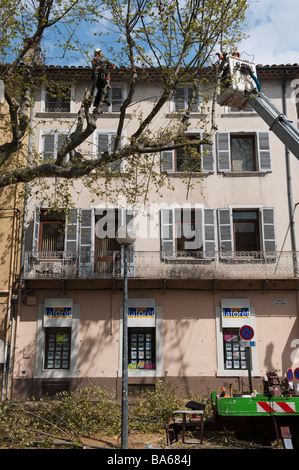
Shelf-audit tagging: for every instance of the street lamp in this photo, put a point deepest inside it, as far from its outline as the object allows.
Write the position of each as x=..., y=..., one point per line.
x=125, y=236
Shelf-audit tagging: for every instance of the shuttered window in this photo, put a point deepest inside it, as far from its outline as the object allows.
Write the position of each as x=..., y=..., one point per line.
x=186, y=232
x=115, y=96
x=105, y=144
x=182, y=97
x=239, y=152
x=52, y=143
x=191, y=158
x=247, y=231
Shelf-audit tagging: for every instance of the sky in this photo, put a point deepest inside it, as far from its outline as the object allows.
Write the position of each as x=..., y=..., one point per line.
x=272, y=27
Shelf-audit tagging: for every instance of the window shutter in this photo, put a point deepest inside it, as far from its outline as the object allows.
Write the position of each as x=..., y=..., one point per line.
x=167, y=161
x=36, y=224
x=167, y=233
x=223, y=151
x=71, y=232
x=128, y=219
x=207, y=159
x=209, y=240
x=48, y=146
x=86, y=242
x=60, y=143
x=268, y=231
x=225, y=233
x=264, y=155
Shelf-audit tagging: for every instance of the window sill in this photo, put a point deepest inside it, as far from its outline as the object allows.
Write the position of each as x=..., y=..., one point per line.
x=238, y=115
x=56, y=115
x=195, y=174
x=237, y=373
x=145, y=373
x=245, y=173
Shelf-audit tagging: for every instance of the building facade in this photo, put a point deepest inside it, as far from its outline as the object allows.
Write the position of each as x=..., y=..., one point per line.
x=211, y=255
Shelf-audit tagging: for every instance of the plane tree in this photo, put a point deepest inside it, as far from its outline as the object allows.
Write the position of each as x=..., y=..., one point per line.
x=177, y=40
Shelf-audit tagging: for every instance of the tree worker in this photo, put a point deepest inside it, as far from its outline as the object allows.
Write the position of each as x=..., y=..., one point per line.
x=100, y=64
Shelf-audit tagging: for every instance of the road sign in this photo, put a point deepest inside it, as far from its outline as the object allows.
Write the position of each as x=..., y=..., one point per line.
x=246, y=332
x=290, y=374
x=296, y=373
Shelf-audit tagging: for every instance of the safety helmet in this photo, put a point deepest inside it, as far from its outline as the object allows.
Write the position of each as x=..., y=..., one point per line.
x=96, y=51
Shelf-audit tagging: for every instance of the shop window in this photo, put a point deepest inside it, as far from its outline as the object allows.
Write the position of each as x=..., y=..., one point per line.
x=58, y=347
x=142, y=349
x=234, y=354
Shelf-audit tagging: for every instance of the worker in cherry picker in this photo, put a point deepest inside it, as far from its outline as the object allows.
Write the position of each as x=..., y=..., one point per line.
x=103, y=81
x=225, y=80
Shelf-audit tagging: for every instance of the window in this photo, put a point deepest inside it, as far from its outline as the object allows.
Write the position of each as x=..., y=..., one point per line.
x=142, y=350
x=52, y=143
x=105, y=144
x=247, y=230
x=51, y=236
x=243, y=153
x=115, y=96
x=58, y=347
x=182, y=97
x=239, y=152
x=193, y=157
x=187, y=232
x=234, y=354
x=58, y=99
x=248, y=109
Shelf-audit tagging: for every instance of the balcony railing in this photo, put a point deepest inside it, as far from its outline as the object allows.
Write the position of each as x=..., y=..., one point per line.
x=159, y=265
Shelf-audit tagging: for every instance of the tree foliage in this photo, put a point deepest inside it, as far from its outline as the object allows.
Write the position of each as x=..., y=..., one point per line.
x=175, y=39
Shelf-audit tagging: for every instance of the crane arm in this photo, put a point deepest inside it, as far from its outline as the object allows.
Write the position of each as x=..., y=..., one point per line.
x=277, y=121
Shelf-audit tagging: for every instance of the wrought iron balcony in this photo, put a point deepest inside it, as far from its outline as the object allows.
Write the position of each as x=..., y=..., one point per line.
x=159, y=265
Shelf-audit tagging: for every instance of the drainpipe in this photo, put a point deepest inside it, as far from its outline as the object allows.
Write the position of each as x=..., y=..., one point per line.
x=289, y=186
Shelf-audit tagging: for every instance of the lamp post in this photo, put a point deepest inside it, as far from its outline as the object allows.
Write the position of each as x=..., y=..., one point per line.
x=126, y=236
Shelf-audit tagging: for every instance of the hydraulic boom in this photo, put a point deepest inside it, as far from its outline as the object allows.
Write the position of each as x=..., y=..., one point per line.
x=239, y=87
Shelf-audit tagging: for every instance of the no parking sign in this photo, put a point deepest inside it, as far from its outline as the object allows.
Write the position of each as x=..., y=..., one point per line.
x=246, y=332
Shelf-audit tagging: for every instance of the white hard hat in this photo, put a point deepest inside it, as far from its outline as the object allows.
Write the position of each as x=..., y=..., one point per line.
x=97, y=50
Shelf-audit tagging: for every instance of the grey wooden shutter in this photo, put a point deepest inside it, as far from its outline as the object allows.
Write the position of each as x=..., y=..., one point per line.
x=223, y=151
x=225, y=232
x=86, y=242
x=60, y=143
x=128, y=219
x=264, y=155
x=207, y=158
x=167, y=161
x=71, y=233
x=36, y=225
x=209, y=239
x=167, y=234
x=48, y=146
x=268, y=231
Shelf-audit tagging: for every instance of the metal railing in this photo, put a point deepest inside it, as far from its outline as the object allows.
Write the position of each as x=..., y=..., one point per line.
x=161, y=265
